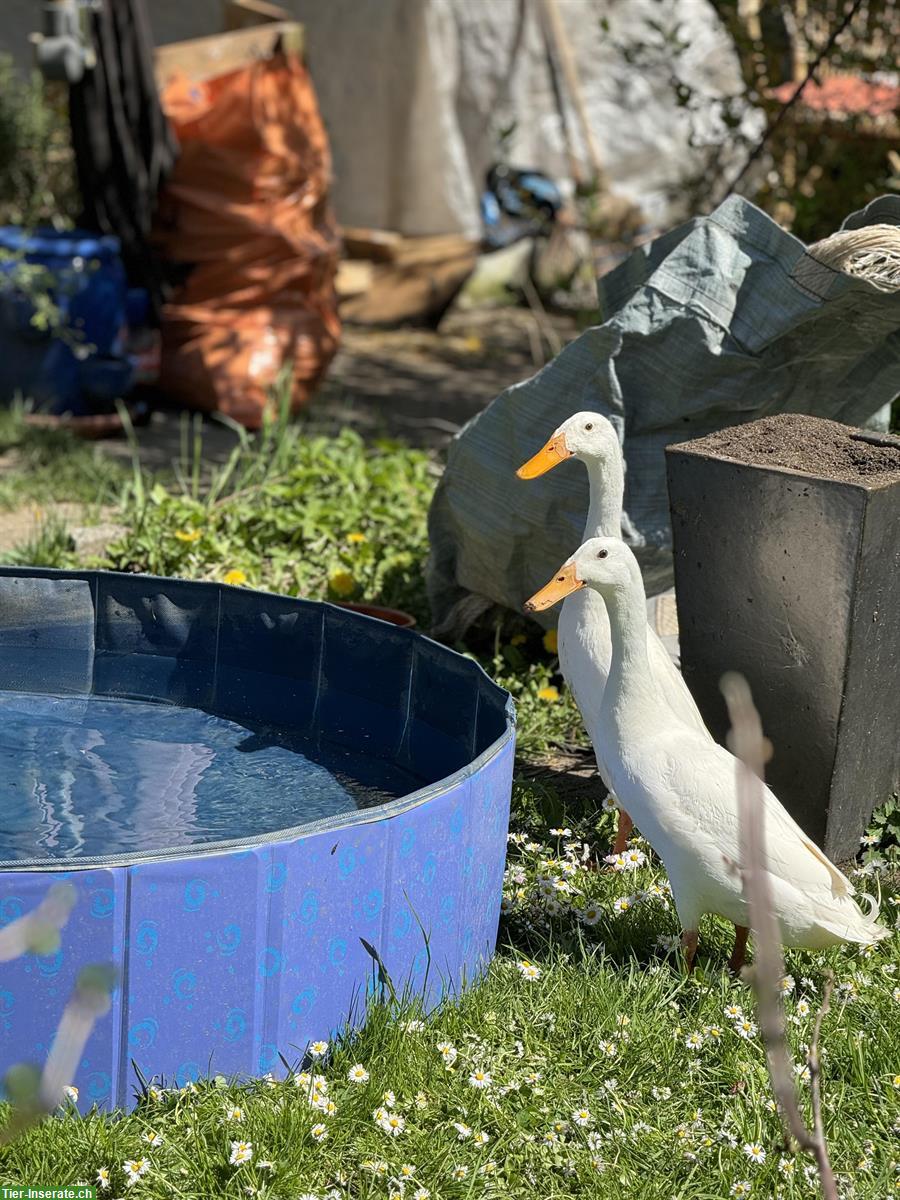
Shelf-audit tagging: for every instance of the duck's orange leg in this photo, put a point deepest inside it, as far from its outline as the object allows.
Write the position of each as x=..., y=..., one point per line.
x=623, y=832
x=689, y=940
x=739, y=953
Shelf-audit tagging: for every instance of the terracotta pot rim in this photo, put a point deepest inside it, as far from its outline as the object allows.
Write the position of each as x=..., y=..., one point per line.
x=394, y=616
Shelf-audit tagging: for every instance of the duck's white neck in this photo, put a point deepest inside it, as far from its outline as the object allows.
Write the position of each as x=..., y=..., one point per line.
x=630, y=694
x=607, y=487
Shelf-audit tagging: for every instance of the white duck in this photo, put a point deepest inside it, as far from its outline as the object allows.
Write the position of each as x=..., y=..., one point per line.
x=583, y=632
x=681, y=787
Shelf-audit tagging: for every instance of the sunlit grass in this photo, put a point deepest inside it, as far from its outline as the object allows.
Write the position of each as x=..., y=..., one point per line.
x=584, y=1064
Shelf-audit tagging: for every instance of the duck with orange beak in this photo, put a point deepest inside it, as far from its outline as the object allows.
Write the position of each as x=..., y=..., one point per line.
x=681, y=786
x=583, y=633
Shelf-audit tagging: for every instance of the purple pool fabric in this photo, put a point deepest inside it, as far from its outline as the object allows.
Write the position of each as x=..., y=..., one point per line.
x=236, y=952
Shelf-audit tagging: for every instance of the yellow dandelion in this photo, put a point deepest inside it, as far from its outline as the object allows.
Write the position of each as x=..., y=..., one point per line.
x=356, y=538
x=341, y=583
x=551, y=642
x=234, y=577
x=188, y=535
x=548, y=694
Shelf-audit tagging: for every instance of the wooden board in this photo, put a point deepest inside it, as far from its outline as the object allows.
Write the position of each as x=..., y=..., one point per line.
x=206, y=57
x=242, y=14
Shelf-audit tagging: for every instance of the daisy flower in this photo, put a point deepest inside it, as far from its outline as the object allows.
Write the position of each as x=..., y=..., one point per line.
x=241, y=1152
x=745, y=1028
x=319, y=1133
x=459, y=1173
x=803, y=1009
x=103, y=1177
x=134, y=1168
x=755, y=1152
x=234, y=1113
x=694, y=1041
x=407, y=1171
x=480, y=1139
x=71, y=1093
x=152, y=1138
x=623, y=904
x=610, y=1049
x=590, y=914
x=528, y=970
x=582, y=1117
x=358, y=1074
x=480, y=1079
x=786, y=985
x=318, y=1049
x=740, y=1188
x=634, y=858
x=393, y=1124
x=448, y=1052
x=463, y=1131
x=413, y=1026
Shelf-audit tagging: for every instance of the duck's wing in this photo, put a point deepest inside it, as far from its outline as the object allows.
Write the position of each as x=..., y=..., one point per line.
x=671, y=685
x=702, y=779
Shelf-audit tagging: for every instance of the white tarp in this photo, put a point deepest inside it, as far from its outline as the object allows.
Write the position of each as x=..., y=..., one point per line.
x=417, y=94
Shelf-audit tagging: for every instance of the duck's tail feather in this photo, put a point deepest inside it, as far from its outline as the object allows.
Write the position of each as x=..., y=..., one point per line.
x=848, y=921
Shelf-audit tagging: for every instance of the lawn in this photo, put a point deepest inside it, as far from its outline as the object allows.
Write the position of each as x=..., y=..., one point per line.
x=584, y=1064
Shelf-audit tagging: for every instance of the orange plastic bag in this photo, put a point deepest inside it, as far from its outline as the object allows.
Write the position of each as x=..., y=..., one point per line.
x=247, y=208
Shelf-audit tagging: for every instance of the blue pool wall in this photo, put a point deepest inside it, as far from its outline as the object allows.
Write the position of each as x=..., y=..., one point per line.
x=234, y=954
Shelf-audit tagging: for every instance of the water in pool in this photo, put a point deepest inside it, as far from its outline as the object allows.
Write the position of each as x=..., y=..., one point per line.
x=84, y=776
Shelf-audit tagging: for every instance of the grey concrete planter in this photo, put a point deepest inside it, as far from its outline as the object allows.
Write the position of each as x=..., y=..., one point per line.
x=786, y=537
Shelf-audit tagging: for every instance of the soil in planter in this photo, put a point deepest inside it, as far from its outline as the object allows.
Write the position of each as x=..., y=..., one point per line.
x=810, y=444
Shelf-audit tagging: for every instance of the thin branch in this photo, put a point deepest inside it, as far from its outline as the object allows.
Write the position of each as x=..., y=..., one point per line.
x=752, y=750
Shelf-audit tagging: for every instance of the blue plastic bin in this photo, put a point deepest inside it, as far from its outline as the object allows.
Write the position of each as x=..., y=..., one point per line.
x=90, y=288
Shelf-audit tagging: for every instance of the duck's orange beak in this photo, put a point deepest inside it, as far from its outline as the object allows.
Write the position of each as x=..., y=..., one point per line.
x=563, y=584
x=548, y=457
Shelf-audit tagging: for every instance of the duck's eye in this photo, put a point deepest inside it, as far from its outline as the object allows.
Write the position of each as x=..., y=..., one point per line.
x=590, y=425
x=602, y=553
x=560, y=579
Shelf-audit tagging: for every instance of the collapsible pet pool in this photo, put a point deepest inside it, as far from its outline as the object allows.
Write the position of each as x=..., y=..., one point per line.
x=250, y=794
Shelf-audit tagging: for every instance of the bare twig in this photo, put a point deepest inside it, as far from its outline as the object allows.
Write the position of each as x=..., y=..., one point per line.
x=752, y=751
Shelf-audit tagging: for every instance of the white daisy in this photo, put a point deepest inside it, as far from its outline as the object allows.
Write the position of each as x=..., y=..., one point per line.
x=755, y=1152
x=480, y=1079
x=358, y=1074
x=241, y=1152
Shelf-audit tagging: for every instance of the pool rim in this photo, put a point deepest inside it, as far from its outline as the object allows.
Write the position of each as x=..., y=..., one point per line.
x=338, y=822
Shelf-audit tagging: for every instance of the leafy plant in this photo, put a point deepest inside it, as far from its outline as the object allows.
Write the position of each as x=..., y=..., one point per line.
x=317, y=517
x=885, y=824
x=37, y=177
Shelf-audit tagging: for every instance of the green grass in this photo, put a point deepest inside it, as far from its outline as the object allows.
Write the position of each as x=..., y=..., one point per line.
x=45, y=466
x=604, y=1025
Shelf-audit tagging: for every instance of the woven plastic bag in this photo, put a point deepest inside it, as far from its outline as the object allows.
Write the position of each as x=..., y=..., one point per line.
x=246, y=210
x=725, y=319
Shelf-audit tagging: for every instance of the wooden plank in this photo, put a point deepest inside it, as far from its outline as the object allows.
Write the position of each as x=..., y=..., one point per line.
x=206, y=57
x=242, y=14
